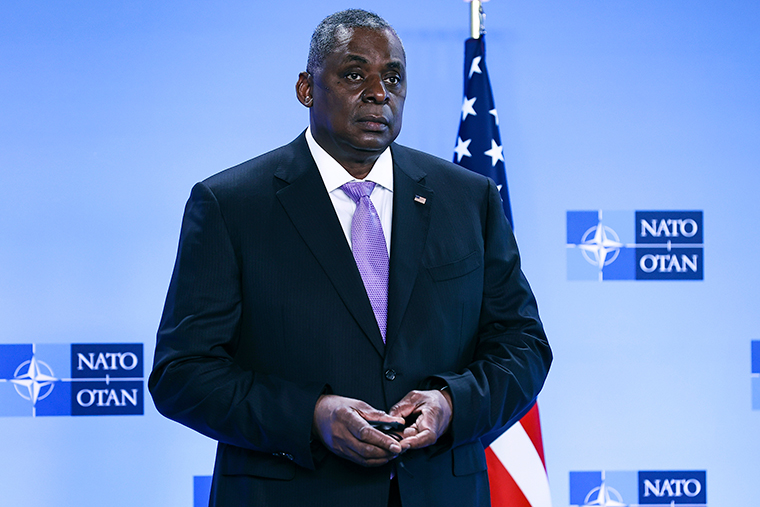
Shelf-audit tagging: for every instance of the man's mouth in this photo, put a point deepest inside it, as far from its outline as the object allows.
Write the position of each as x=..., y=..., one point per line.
x=374, y=123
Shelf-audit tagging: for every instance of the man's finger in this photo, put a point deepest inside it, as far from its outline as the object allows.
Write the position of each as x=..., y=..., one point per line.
x=369, y=454
x=421, y=439
x=366, y=433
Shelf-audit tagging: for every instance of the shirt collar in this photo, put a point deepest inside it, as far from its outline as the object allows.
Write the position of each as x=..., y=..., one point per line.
x=334, y=175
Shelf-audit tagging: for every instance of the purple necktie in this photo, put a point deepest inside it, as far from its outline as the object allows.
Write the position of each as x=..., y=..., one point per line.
x=369, y=248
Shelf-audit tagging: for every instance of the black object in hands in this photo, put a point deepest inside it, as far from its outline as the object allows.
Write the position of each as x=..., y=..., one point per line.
x=387, y=427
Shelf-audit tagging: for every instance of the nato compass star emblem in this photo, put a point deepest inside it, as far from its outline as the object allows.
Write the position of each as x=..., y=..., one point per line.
x=34, y=380
x=600, y=245
x=604, y=496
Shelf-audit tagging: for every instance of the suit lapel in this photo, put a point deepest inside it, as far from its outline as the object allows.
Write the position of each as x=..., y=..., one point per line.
x=412, y=202
x=310, y=210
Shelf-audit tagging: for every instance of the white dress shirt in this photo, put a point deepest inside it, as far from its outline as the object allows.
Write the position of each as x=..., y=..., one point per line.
x=334, y=175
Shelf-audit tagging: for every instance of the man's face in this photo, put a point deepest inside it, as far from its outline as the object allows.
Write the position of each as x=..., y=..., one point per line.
x=357, y=96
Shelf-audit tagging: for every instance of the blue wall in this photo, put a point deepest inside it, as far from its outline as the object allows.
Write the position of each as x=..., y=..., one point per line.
x=110, y=111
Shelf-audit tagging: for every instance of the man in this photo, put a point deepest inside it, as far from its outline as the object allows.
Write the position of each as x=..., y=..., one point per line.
x=291, y=351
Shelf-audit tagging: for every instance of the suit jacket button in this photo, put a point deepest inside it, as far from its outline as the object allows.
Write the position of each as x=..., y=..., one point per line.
x=390, y=374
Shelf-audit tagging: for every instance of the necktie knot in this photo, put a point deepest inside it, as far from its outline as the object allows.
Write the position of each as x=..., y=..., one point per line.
x=358, y=189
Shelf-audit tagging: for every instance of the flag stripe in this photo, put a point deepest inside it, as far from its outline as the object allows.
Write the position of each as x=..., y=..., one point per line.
x=531, y=422
x=516, y=452
x=504, y=490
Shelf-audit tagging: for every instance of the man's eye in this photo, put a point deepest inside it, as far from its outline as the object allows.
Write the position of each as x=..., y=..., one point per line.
x=394, y=80
x=353, y=76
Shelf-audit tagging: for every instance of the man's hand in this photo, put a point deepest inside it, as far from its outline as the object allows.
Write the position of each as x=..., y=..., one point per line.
x=341, y=424
x=431, y=412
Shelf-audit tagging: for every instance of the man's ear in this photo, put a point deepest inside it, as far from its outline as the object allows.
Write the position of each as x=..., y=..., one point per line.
x=304, y=86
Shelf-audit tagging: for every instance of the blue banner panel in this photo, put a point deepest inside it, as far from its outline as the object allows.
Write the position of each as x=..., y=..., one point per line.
x=673, y=488
x=102, y=398
x=623, y=488
x=57, y=403
x=107, y=379
x=14, y=397
x=581, y=484
x=603, y=488
x=640, y=245
x=11, y=356
x=669, y=226
x=579, y=223
x=33, y=380
x=201, y=490
x=106, y=360
x=57, y=379
x=755, y=360
x=600, y=245
x=669, y=264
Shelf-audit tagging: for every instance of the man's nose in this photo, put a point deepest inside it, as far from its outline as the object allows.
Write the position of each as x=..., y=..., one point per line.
x=375, y=90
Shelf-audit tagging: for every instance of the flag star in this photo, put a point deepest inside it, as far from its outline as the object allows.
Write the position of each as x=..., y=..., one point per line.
x=495, y=114
x=495, y=153
x=461, y=149
x=475, y=67
x=467, y=107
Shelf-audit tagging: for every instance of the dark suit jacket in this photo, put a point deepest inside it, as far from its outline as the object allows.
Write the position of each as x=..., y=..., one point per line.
x=266, y=311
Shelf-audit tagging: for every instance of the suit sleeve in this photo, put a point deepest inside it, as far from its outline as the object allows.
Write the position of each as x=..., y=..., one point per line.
x=195, y=379
x=512, y=355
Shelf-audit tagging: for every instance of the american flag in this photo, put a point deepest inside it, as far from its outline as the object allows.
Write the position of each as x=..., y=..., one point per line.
x=516, y=465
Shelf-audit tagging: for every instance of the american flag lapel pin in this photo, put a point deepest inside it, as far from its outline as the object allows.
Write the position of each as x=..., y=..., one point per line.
x=420, y=199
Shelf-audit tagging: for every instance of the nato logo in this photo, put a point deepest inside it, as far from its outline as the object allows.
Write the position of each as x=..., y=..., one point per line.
x=628, y=489
x=756, y=375
x=71, y=379
x=634, y=245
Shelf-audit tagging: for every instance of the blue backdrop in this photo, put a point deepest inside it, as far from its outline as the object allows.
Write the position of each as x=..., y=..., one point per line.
x=111, y=111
